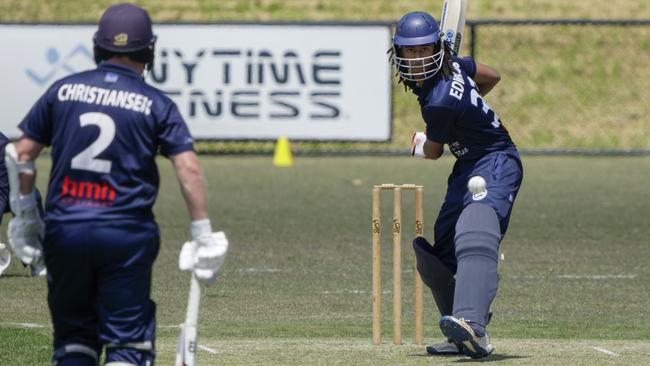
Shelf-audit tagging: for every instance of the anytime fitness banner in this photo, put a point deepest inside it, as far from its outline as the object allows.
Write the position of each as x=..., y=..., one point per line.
x=248, y=81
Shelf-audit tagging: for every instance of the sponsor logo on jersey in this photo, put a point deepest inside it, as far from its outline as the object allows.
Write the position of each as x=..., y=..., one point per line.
x=479, y=196
x=458, y=149
x=89, y=193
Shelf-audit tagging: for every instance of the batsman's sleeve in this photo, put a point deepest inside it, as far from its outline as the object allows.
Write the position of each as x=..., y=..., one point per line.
x=4, y=179
x=439, y=120
x=468, y=64
x=173, y=134
x=37, y=124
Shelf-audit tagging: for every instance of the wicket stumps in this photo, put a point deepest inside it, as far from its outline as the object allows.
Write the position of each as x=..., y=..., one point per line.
x=397, y=262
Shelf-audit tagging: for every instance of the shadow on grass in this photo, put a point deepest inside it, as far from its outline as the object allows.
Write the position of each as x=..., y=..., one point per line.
x=16, y=275
x=491, y=358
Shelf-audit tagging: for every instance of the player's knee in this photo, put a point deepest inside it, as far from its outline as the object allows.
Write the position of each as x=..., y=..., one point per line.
x=478, y=232
x=75, y=354
x=131, y=354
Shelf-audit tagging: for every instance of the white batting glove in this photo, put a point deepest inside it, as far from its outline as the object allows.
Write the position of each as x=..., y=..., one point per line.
x=417, y=144
x=25, y=231
x=205, y=254
x=5, y=258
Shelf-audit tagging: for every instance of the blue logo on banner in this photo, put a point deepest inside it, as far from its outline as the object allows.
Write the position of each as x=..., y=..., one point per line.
x=57, y=63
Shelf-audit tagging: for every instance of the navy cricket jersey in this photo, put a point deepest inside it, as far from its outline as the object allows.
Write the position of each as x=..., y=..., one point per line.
x=105, y=127
x=456, y=114
x=4, y=179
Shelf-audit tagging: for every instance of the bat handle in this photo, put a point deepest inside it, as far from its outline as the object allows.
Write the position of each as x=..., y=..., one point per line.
x=193, y=302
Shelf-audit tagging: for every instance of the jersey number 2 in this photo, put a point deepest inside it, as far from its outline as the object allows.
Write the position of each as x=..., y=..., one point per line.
x=86, y=159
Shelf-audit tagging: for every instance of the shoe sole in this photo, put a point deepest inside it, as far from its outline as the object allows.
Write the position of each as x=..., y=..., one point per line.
x=459, y=334
x=433, y=351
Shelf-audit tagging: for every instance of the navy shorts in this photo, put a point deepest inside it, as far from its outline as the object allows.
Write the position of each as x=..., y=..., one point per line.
x=99, y=281
x=503, y=174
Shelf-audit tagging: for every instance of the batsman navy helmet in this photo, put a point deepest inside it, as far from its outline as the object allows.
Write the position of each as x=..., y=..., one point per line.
x=417, y=28
x=124, y=28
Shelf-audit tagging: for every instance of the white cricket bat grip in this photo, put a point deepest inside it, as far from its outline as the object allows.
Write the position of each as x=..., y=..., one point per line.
x=193, y=301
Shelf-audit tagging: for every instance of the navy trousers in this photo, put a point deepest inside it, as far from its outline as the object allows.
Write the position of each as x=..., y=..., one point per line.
x=503, y=173
x=99, y=284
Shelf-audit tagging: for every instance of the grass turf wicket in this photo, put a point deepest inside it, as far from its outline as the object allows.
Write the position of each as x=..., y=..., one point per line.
x=397, y=262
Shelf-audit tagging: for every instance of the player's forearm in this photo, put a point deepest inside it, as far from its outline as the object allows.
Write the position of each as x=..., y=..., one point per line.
x=486, y=78
x=192, y=183
x=27, y=182
x=27, y=150
x=432, y=150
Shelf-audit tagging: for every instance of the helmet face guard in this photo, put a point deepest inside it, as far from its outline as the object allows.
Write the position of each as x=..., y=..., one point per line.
x=417, y=69
x=416, y=29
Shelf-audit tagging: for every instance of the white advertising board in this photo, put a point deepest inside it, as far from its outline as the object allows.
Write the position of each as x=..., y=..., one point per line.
x=230, y=81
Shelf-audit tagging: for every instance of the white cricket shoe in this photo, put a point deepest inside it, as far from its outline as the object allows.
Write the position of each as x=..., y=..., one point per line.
x=458, y=331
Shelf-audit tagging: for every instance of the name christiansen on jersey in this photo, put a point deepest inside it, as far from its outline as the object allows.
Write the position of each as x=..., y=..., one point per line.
x=107, y=97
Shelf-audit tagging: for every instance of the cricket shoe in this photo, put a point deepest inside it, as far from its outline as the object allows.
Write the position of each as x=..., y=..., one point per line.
x=460, y=332
x=446, y=347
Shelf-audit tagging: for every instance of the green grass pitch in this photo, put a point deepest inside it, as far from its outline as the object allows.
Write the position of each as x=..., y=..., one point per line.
x=296, y=286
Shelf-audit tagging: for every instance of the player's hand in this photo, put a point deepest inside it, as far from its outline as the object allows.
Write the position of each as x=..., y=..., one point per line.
x=205, y=254
x=417, y=144
x=26, y=231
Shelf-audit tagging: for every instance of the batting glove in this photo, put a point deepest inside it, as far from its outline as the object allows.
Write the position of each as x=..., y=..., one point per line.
x=205, y=254
x=25, y=232
x=417, y=144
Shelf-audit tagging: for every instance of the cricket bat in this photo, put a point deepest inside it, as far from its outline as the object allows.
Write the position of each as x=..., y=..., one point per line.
x=452, y=22
x=186, y=351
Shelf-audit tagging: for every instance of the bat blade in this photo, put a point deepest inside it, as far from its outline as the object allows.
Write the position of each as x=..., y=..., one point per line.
x=452, y=22
x=187, y=341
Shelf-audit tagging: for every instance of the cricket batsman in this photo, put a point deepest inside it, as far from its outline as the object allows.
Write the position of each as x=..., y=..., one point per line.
x=99, y=237
x=461, y=266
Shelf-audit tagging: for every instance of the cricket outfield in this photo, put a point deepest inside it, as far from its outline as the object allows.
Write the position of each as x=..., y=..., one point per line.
x=296, y=286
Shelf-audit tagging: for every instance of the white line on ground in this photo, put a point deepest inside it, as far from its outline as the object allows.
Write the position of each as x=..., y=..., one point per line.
x=36, y=325
x=582, y=277
x=353, y=292
x=210, y=350
x=599, y=277
x=346, y=292
x=24, y=325
x=607, y=352
x=169, y=326
x=253, y=270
